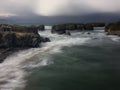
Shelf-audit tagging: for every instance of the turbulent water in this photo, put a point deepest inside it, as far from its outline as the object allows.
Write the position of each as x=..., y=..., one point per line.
x=81, y=61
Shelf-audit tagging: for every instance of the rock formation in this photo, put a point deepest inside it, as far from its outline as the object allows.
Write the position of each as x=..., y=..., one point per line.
x=60, y=29
x=20, y=36
x=41, y=27
x=113, y=28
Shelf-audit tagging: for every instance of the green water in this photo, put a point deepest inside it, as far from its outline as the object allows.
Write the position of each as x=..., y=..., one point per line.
x=79, y=68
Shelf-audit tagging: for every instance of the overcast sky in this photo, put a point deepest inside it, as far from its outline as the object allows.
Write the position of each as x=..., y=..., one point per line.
x=52, y=8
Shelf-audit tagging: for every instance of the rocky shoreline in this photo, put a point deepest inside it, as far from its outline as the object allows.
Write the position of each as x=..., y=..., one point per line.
x=63, y=28
x=5, y=52
x=113, y=28
x=15, y=37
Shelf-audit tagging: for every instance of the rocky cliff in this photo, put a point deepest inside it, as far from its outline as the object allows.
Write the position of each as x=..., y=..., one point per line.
x=61, y=28
x=20, y=40
x=113, y=28
x=20, y=36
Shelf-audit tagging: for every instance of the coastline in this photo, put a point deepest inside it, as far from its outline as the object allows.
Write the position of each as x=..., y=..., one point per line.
x=5, y=52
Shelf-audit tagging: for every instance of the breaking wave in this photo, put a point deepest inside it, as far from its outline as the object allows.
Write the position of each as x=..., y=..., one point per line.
x=13, y=69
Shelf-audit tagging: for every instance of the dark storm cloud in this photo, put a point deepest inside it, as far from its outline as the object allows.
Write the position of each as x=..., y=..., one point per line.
x=60, y=10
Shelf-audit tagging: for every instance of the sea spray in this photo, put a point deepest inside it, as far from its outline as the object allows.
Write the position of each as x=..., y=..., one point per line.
x=12, y=70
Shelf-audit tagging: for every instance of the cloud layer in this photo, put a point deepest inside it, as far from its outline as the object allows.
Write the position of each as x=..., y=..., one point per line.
x=57, y=7
x=76, y=7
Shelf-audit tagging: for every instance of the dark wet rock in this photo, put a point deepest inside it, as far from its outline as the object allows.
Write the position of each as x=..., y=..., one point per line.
x=88, y=27
x=27, y=40
x=41, y=27
x=19, y=40
x=5, y=52
x=88, y=33
x=31, y=29
x=20, y=36
x=24, y=29
x=45, y=39
x=80, y=27
x=59, y=29
x=70, y=26
x=98, y=24
x=68, y=33
x=94, y=38
x=113, y=28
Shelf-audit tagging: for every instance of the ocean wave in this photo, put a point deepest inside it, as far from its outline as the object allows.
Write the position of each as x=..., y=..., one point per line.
x=13, y=71
x=13, y=68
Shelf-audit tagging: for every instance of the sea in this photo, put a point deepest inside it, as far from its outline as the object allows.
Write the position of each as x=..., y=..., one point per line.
x=86, y=60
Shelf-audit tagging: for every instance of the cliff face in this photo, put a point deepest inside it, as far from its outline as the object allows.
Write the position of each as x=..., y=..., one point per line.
x=61, y=28
x=20, y=36
x=41, y=27
x=19, y=39
x=113, y=28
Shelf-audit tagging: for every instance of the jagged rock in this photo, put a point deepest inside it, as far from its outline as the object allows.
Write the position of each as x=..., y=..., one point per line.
x=68, y=33
x=59, y=29
x=32, y=29
x=98, y=24
x=41, y=27
x=88, y=27
x=21, y=40
x=70, y=26
x=45, y=39
x=113, y=28
x=80, y=27
x=88, y=33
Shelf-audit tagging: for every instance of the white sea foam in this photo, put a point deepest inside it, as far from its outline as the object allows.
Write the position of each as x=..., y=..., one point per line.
x=114, y=38
x=12, y=74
